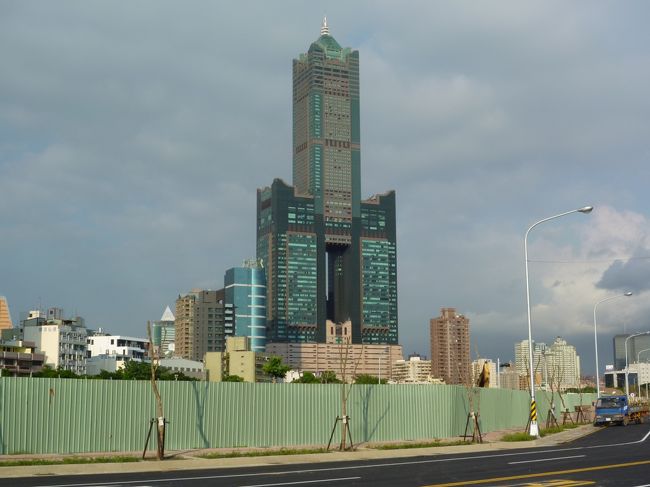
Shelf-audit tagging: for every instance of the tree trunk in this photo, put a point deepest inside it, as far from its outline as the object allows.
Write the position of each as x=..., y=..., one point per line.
x=160, y=420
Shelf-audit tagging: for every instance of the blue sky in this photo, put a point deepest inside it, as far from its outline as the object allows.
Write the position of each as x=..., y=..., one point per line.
x=133, y=137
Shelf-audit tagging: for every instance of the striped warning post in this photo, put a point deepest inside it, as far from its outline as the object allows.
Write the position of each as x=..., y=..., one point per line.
x=533, y=411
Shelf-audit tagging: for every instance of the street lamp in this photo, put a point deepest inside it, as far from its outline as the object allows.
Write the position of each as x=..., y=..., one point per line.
x=638, y=381
x=627, y=294
x=646, y=384
x=534, y=430
x=627, y=385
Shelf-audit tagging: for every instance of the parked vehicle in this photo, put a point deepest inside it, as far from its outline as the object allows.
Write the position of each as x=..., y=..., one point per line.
x=619, y=410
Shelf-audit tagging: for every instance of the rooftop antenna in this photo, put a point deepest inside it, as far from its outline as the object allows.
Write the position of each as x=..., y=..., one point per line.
x=324, y=30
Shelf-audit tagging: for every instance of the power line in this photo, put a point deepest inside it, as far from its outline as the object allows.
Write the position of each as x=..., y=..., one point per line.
x=608, y=261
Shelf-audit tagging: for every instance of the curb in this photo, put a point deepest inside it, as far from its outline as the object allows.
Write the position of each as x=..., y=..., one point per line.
x=182, y=461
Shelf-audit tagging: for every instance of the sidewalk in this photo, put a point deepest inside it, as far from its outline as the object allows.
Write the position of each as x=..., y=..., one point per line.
x=188, y=460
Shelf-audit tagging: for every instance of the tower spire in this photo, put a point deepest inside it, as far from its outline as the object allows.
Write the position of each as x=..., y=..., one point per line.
x=324, y=30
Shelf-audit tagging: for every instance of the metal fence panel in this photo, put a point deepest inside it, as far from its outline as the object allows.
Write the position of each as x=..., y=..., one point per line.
x=67, y=415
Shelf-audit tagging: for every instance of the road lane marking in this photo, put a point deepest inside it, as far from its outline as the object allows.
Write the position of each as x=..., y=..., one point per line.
x=559, y=483
x=541, y=474
x=439, y=459
x=546, y=459
x=304, y=482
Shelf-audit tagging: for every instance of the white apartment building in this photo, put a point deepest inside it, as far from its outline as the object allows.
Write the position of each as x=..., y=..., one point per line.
x=562, y=365
x=557, y=365
x=62, y=341
x=412, y=371
x=111, y=352
x=522, y=358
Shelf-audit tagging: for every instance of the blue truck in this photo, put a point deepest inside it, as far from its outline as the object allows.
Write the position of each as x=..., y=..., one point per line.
x=619, y=410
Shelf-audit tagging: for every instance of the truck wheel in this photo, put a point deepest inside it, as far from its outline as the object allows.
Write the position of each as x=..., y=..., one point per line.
x=625, y=421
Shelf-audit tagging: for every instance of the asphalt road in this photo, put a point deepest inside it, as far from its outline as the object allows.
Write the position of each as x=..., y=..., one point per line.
x=614, y=456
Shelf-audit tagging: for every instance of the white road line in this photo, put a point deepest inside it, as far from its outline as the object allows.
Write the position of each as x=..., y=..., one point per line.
x=546, y=459
x=304, y=482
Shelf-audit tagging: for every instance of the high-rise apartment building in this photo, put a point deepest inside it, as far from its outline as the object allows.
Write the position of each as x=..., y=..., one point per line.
x=5, y=316
x=450, y=354
x=203, y=321
x=562, y=365
x=246, y=291
x=329, y=256
x=555, y=366
x=522, y=358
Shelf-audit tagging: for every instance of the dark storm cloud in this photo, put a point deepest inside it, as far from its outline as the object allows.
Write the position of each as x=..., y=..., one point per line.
x=134, y=135
x=631, y=275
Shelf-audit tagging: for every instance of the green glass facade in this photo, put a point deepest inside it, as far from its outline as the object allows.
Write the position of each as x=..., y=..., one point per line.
x=329, y=255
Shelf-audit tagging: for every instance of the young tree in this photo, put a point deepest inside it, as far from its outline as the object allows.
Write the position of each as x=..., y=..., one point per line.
x=329, y=377
x=275, y=368
x=159, y=404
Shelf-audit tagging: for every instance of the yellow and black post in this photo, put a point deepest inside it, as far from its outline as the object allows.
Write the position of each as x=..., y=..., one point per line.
x=534, y=429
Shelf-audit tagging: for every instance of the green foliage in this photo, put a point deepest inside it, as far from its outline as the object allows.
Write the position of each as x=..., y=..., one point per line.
x=584, y=390
x=420, y=444
x=275, y=368
x=50, y=373
x=68, y=461
x=264, y=453
x=524, y=436
x=329, y=377
x=307, y=378
x=233, y=378
x=520, y=436
x=367, y=379
x=132, y=371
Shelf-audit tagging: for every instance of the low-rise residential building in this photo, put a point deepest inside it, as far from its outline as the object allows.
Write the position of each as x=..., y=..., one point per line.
x=412, y=371
x=239, y=360
x=190, y=368
x=111, y=352
x=345, y=360
x=20, y=358
x=63, y=341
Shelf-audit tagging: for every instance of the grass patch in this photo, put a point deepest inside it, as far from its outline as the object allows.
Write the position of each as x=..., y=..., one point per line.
x=263, y=453
x=524, y=436
x=424, y=444
x=67, y=461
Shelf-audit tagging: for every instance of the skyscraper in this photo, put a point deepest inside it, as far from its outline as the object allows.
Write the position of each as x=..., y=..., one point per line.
x=328, y=255
x=164, y=331
x=246, y=291
x=450, y=347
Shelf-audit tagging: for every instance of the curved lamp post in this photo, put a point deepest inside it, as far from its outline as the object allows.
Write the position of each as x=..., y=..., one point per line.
x=638, y=381
x=627, y=385
x=627, y=294
x=534, y=430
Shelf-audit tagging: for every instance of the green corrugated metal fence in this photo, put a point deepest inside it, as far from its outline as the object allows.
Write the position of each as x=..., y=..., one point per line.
x=66, y=415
